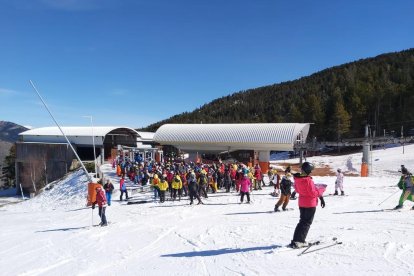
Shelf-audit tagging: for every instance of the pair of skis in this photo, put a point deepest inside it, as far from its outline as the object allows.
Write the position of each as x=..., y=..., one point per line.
x=310, y=245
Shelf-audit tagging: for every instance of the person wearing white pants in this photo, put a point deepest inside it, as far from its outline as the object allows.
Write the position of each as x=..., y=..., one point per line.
x=339, y=183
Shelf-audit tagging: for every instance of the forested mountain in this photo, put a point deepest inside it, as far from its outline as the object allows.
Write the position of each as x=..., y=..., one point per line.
x=339, y=101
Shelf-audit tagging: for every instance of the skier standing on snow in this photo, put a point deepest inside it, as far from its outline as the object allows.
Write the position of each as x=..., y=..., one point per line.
x=245, y=186
x=308, y=200
x=108, y=187
x=285, y=186
x=405, y=184
x=177, y=186
x=339, y=182
x=275, y=181
x=101, y=201
x=163, y=186
x=193, y=188
x=122, y=188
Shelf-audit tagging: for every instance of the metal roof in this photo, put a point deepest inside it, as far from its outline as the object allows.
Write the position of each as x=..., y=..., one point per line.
x=216, y=137
x=73, y=131
x=146, y=136
x=83, y=135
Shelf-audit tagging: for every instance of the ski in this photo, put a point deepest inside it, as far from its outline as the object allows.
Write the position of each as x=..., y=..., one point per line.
x=286, y=210
x=99, y=225
x=306, y=251
x=309, y=246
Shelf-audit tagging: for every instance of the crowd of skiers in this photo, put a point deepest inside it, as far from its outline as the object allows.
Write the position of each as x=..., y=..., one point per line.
x=195, y=180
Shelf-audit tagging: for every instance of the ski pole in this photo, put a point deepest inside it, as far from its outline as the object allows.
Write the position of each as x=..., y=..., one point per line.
x=388, y=198
x=92, y=215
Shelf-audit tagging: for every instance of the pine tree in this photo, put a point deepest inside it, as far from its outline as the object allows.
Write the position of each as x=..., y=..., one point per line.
x=8, y=171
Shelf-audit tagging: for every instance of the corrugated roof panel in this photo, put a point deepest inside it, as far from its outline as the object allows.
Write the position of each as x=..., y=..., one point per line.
x=230, y=133
x=73, y=131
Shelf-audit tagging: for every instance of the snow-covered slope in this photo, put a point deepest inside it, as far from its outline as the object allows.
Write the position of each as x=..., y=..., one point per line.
x=52, y=234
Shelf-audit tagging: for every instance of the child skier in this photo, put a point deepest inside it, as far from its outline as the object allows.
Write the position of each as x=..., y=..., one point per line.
x=245, y=186
x=285, y=186
x=163, y=186
x=308, y=200
x=339, y=183
x=177, y=186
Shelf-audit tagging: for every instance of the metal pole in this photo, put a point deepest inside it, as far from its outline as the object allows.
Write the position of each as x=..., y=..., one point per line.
x=67, y=140
x=388, y=197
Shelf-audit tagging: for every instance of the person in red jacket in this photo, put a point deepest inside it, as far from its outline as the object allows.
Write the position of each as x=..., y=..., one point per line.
x=123, y=188
x=101, y=201
x=258, y=176
x=308, y=200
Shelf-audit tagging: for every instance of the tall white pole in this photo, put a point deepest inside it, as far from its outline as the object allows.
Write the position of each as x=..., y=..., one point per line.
x=67, y=140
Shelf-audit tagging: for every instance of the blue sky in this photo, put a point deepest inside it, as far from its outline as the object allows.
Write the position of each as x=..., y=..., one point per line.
x=135, y=62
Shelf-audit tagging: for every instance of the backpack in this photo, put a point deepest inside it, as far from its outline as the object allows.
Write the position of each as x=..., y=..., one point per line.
x=203, y=179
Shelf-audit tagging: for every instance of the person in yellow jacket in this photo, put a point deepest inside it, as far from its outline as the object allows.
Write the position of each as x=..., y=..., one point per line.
x=177, y=186
x=252, y=179
x=163, y=185
x=202, y=183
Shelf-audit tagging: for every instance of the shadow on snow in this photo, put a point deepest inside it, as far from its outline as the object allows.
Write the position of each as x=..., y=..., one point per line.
x=207, y=253
x=63, y=229
x=249, y=213
x=365, y=211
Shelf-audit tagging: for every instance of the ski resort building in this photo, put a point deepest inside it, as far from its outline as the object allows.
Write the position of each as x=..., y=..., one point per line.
x=258, y=139
x=43, y=154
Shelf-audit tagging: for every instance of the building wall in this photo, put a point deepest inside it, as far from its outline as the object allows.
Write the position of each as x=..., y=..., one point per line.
x=78, y=140
x=38, y=164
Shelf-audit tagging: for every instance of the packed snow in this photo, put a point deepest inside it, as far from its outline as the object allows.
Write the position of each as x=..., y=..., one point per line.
x=52, y=234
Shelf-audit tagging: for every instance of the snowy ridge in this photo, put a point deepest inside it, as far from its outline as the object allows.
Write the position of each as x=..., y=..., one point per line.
x=67, y=193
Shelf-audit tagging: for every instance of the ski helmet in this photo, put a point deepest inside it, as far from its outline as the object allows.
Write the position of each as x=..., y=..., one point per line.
x=307, y=167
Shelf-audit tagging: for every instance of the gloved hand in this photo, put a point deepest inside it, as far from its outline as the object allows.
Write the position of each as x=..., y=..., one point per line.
x=93, y=206
x=322, y=202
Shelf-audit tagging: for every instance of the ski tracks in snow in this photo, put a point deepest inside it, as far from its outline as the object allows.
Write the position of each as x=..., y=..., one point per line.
x=396, y=255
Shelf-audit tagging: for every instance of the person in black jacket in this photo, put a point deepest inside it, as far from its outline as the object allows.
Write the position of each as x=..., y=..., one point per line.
x=109, y=188
x=193, y=188
x=285, y=186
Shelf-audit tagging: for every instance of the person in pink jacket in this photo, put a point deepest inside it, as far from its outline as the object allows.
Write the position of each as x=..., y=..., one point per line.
x=308, y=200
x=101, y=201
x=245, y=186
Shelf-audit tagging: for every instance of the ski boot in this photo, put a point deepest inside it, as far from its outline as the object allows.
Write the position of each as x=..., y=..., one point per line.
x=342, y=193
x=398, y=207
x=277, y=208
x=336, y=193
x=297, y=245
